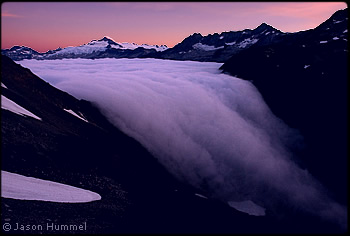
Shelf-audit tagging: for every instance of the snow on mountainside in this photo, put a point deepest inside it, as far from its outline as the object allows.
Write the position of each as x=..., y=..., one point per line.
x=21, y=187
x=9, y=105
x=20, y=52
x=220, y=47
x=101, y=45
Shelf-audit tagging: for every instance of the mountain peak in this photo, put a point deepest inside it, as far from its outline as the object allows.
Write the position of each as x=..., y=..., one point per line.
x=264, y=26
x=197, y=34
x=17, y=47
x=108, y=40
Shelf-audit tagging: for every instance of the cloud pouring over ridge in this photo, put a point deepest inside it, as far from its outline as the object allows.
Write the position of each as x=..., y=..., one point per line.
x=209, y=129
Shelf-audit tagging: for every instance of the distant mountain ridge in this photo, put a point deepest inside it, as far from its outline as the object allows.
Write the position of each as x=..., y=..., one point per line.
x=104, y=47
x=213, y=47
x=220, y=47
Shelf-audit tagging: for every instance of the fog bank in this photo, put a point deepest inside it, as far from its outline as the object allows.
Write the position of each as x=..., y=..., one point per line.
x=209, y=129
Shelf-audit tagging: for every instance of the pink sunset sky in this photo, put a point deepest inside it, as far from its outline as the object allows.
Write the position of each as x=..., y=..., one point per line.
x=49, y=25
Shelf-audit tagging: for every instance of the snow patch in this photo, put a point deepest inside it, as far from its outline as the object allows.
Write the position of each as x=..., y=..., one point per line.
x=323, y=41
x=21, y=187
x=200, y=195
x=247, y=42
x=205, y=47
x=248, y=207
x=2, y=85
x=335, y=38
x=231, y=43
x=306, y=66
x=221, y=37
x=133, y=46
x=75, y=114
x=10, y=105
x=93, y=46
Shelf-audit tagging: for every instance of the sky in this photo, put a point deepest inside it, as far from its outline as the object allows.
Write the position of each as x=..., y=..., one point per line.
x=49, y=25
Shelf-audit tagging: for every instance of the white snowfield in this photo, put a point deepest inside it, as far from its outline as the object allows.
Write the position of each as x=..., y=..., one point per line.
x=205, y=47
x=244, y=43
x=133, y=46
x=248, y=207
x=232, y=43
x=10, y=105
x=200, y=195
x=21, y=187
x=86, y=48
x=75, y=114
x=247, y=42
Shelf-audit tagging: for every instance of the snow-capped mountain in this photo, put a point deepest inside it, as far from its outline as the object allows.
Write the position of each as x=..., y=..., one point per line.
x=101, y=45
x=20, y=53
x=219, y=47
x=104, y=47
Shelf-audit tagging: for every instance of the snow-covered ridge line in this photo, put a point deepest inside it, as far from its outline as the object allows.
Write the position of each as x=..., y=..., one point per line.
x=102, y=45
x=9, y=105
x=21, y=187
